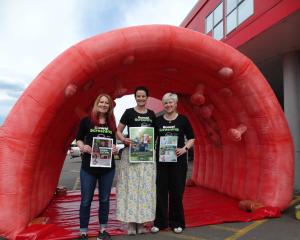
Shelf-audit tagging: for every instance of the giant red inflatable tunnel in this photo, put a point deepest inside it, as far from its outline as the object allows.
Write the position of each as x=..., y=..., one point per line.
x=243, y=144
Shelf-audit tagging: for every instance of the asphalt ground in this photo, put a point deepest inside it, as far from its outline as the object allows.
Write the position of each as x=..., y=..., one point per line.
x=287, y=227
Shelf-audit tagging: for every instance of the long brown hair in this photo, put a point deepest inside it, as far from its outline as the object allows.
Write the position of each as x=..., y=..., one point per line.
x=110, y=117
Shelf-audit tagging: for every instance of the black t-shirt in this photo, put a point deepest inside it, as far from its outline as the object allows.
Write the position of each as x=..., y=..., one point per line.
x=86, y=133
x=179, y=127
x=132, y=118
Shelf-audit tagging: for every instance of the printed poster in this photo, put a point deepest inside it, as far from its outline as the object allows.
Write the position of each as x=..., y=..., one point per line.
x=167, y=149
x=101, y=152
x=142, y=147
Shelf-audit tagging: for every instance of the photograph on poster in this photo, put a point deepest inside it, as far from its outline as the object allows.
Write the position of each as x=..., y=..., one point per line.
x=101, y=152
x=142, y=147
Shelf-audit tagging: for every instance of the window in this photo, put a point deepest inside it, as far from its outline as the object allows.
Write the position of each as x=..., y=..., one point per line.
x=209, y=23
x=218, y=14
x=231, y=22
x=237, y=11
x=214, y=22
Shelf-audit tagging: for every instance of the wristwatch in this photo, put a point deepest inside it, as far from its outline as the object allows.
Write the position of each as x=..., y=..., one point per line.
x=186, y=148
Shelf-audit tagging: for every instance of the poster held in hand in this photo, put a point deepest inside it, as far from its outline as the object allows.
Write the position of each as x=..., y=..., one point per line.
x=142, y=147
x=101, y=152
x=167, y=149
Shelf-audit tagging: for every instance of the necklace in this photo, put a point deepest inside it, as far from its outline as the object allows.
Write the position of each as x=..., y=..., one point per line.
x=141, y=110
x=171, y=118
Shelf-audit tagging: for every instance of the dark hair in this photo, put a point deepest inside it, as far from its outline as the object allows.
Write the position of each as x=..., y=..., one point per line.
x=141, y=88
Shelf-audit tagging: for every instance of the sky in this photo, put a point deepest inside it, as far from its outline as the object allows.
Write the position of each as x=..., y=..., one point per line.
x=34, y=32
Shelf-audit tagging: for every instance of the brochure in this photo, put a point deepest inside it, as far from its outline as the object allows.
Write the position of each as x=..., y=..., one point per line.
x=101, y=152
x=167, y=148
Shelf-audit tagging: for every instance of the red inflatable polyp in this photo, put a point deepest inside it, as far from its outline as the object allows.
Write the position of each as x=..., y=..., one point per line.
x=35, y=135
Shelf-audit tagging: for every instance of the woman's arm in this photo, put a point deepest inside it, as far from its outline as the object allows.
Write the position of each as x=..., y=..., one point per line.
x=120, y=135
x=189, y=144
x=83, y=147
x=83, y=129
x=185, y=148
x=188, y=132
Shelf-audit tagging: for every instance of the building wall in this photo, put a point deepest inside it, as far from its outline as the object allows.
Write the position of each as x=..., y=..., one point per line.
x=266, y=14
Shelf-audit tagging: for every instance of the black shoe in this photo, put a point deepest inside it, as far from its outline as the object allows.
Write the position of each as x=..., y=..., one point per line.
x=84, y=237
x=103, y=236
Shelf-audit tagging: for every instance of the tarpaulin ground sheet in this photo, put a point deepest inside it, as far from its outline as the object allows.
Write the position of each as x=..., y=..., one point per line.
x=201, y=206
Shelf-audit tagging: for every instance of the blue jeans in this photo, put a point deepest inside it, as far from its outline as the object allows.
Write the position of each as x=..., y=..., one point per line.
x=88, y=184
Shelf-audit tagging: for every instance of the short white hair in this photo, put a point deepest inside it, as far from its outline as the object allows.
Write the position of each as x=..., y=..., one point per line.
x=170, y=96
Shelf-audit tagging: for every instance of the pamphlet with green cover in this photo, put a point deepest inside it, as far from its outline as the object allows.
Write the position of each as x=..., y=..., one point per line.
x=142, y=147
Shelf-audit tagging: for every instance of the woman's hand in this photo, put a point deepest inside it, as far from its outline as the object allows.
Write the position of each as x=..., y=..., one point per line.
x=86, y=149
x=127, y=141
x=180, y=151
x=114, y=149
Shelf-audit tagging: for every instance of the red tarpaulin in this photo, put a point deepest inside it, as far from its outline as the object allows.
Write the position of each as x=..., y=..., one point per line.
x=202, y=207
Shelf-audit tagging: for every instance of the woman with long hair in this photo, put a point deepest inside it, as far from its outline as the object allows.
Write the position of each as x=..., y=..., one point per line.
x=99, y=127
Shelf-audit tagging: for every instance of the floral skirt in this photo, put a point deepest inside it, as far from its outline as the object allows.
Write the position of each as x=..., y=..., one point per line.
x=136, y=190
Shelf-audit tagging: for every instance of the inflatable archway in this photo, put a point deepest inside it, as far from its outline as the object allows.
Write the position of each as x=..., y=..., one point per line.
x=243, y=144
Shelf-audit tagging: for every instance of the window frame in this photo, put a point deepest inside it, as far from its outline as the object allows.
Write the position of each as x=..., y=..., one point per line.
x=211, y=19
x=236, y=8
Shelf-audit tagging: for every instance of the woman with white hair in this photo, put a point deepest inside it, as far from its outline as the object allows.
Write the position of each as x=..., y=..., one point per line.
x=171, y=157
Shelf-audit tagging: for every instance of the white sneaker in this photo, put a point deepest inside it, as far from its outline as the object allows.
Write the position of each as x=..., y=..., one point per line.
x=140, y=228
x=177, y=230
x=131, y=228
x=154, y=229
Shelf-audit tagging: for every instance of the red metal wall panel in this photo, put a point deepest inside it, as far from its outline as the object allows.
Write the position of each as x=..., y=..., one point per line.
x=266, y=14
